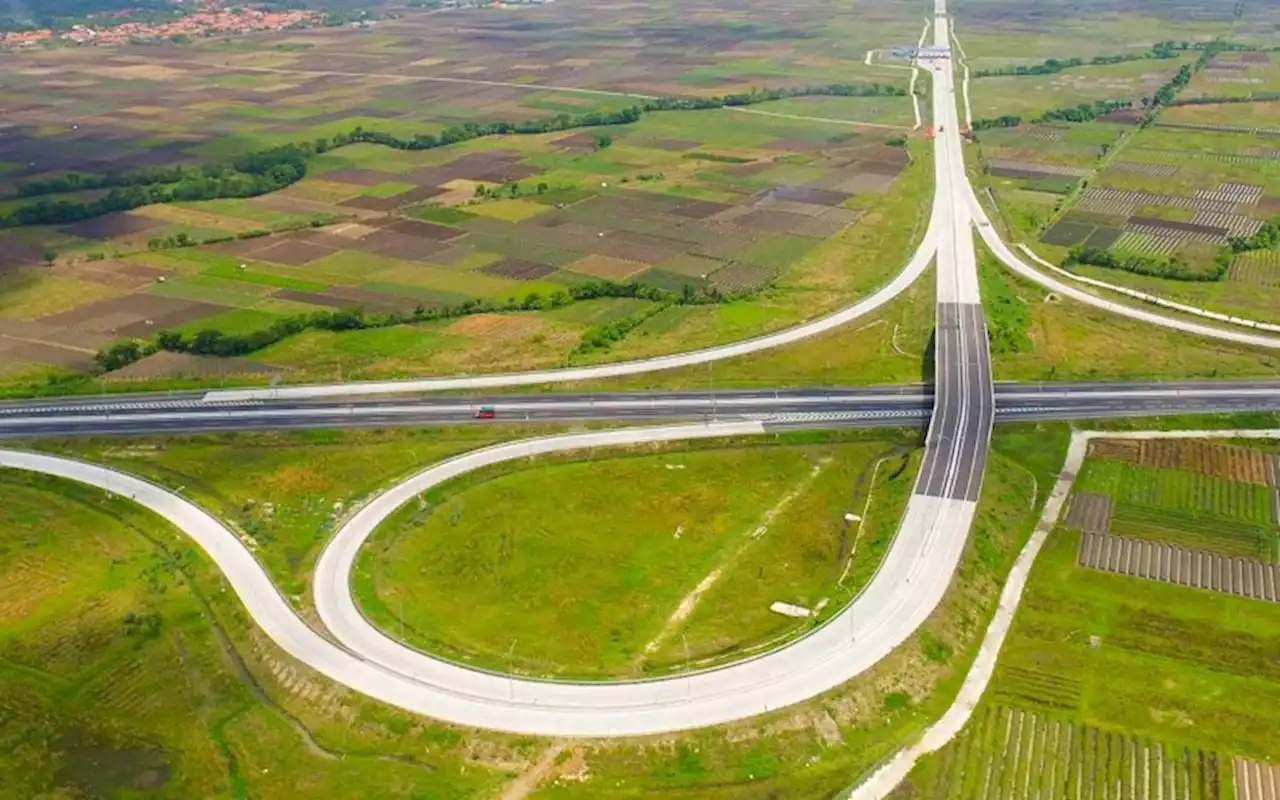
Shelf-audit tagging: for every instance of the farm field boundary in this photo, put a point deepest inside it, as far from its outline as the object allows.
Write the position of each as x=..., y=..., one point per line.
x=881, y=783
x=1173, y=305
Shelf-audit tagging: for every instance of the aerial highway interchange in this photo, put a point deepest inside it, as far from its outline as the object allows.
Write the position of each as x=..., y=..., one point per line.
x=960, y=408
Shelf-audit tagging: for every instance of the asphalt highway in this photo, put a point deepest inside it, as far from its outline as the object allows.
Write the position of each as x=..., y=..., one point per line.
x=879, y=406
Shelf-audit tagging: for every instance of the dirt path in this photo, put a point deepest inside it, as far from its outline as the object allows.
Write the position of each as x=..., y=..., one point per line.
x=690, y=601
x=525, y=783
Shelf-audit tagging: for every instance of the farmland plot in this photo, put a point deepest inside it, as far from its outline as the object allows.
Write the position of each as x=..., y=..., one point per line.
x=1195, y=568
x=1178, y=491
x=1008, y=752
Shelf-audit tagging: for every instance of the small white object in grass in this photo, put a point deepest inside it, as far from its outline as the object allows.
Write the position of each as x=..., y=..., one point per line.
x=600, y=234
x=790, y=610
x=852, y=517
x=604, y=185
x=821, y=605
x=244, y=266
x=160, y=279
x=149, y=322
x=674, y=466
x=758, y=532
x=679, y=530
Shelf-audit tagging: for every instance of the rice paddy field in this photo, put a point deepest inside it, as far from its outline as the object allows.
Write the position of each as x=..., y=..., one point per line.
x=1128, y=679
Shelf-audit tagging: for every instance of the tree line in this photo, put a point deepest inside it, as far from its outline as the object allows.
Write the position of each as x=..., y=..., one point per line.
x=213, y=342
x=279, y=167
x=250, y=176
x=1160, y=50
x=1175, y=268
x=1085, y=112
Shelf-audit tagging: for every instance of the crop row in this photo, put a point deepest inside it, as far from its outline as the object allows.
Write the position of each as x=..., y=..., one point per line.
x=1006, y=753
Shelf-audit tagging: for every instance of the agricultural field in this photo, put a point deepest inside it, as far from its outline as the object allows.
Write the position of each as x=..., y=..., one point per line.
x=1180, y=189
x=255, y=723
x=726, y=202
x=1031, y=95
x=1073, y=703
x=674, y=201
x=684, y=577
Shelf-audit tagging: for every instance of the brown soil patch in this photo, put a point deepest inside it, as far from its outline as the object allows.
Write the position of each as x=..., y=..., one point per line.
x=518, y=269
x=244, y=247
x=40, y=353
x=699, y=209
x=496, y=327
x=350, y=230
x=1089, y=512
x=1219, y=460
x=398, y=245
x=606, y=267
x=808, y=194
x=185, y=365
x=294, y=253
x=425, y=230
x=40, y=332
x=361, y=177
x=116, y=274
x=769, y=220
x=349, y=297
x=373, y=203
x=576, y=141
x=1269, y=205
x=129, y=315
x=1179, y=227
x=111, y=226
x=15, y=254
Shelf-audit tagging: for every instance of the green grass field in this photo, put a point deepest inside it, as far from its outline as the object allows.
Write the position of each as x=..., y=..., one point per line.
x=125, y=671
x=285, y=491
x=508, y=571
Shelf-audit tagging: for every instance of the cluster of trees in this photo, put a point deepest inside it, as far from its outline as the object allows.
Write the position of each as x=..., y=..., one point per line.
x=602, y=337
x=1171, y=267
x=1085, y=112
x=1055, y=65
x=274, y=169
x=1005, y=121
x=252, y=175
x=212, y=342
x=1267, y=238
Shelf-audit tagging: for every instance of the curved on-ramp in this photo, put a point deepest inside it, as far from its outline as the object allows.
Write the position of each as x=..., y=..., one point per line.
x=909, y=584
